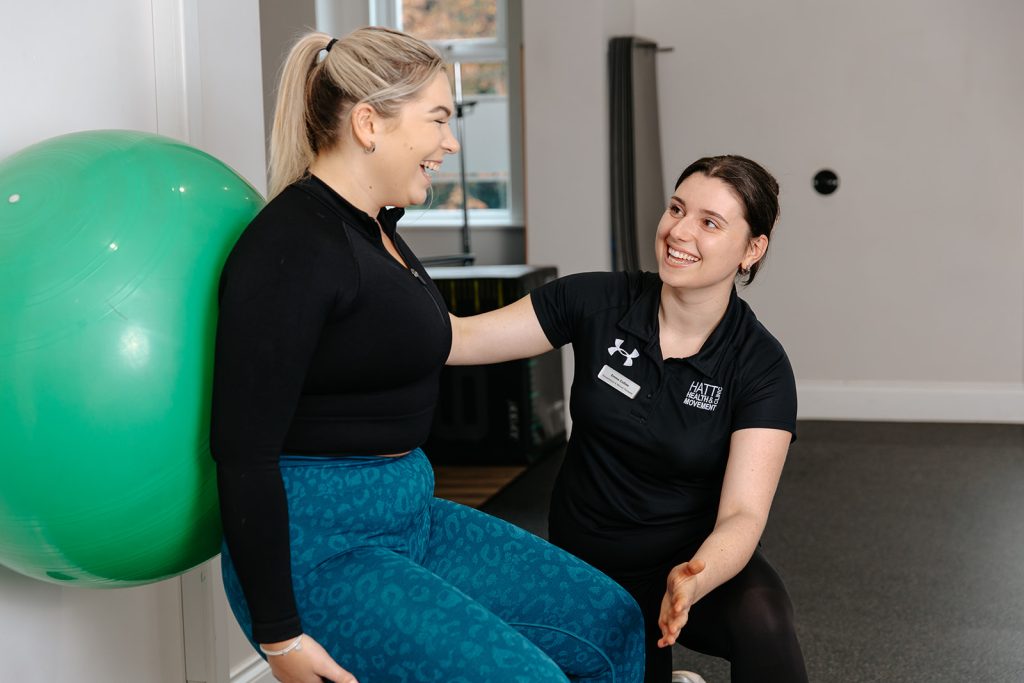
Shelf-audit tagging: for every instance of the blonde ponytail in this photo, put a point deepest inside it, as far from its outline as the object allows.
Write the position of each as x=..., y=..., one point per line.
x=290, y=150
x=379, y=66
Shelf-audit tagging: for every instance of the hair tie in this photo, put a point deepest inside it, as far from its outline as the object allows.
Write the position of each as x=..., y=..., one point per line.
x=330, y=44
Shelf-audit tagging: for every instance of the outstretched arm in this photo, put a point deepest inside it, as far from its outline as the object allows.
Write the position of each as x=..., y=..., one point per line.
x=505, y=334
x=756, y=457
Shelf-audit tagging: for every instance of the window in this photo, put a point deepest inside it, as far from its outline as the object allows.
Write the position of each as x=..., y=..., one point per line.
x=473, y=37
x=446, y=20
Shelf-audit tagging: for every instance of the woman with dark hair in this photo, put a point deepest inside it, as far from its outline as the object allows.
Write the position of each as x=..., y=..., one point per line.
x=338, y=561
x=683, y=410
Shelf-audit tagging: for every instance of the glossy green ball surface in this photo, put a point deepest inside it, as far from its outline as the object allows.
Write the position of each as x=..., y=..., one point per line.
x=111, y=245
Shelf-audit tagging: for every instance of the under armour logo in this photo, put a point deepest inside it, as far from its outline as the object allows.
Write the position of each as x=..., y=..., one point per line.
x=612, y=350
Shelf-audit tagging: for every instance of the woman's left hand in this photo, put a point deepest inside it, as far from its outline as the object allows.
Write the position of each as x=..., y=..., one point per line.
x=680, y=594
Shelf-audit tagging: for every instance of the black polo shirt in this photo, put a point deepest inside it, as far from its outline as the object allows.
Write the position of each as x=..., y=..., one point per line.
x=650, y=436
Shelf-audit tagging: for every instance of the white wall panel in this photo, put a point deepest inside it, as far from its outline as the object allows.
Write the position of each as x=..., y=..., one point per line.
x=167, y=66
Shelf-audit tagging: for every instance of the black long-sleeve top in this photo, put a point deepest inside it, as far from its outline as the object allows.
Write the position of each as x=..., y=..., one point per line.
x=326, y=346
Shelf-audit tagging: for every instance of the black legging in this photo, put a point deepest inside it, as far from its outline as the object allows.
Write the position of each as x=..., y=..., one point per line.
x=748, y=620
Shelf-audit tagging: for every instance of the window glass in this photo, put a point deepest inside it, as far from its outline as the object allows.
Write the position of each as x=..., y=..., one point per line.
x=483, y=194
x=450, y=19
x=481, y=79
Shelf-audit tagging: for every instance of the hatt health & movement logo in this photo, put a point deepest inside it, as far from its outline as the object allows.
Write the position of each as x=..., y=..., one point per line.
x=703, y=395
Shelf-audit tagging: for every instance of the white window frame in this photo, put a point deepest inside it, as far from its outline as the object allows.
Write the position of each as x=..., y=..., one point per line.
x=470, y=50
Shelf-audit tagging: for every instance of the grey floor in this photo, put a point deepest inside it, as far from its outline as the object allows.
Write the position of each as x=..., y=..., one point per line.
x=902, y=546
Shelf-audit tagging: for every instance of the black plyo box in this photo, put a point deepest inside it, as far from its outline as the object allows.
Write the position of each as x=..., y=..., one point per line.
x=506, y=413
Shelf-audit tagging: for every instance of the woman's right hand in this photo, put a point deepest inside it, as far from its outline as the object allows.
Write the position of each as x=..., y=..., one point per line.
x=680, y=594
x=311, y=664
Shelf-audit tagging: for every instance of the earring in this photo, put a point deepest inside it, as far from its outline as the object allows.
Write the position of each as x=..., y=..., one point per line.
x=371, y=149
x=742, y=270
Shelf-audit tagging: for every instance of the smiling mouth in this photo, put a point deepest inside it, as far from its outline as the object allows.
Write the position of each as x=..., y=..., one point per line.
x=680, y=258
x=430, y=168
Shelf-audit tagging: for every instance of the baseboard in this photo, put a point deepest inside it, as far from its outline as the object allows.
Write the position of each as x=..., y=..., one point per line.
x=911, y=401
x=253, y=670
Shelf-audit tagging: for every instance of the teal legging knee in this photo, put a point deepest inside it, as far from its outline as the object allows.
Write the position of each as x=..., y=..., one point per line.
x=400, y=586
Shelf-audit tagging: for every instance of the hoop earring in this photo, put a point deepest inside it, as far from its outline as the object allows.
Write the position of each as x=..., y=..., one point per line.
x=371, y=149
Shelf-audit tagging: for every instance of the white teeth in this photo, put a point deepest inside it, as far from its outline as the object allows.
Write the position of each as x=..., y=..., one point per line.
x=682, y=256
x=431, y=166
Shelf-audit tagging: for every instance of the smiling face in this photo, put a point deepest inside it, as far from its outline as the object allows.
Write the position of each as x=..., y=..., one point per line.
x=703, y=236
x=411, y=147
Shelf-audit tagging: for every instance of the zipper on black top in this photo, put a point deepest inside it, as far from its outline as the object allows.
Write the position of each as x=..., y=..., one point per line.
x=416, y=274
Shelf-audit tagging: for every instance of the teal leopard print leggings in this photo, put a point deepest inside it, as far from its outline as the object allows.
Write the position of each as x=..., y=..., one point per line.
x=400, y=586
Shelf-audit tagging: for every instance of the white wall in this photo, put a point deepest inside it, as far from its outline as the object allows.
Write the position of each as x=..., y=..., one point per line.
x=59, y=78
x=177, y=67
x=231, y=85
x=902, y=295
x=280, y=24
x=565, y=75
x=49, y=633
x=565, y=112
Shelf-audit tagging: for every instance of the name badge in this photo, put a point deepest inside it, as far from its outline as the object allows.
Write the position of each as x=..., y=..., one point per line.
x=618, y=381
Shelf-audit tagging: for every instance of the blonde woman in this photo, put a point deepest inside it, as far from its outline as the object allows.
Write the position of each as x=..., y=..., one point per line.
x=338, y=561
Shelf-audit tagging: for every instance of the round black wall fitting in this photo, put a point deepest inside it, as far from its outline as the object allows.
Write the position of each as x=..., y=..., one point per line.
x=826, y=181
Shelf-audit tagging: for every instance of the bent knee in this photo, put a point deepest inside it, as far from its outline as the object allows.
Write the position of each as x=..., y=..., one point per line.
x=617, y=606
x=762, y=614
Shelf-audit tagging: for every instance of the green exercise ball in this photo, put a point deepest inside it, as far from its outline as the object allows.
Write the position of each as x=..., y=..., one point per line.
x=111, y=244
